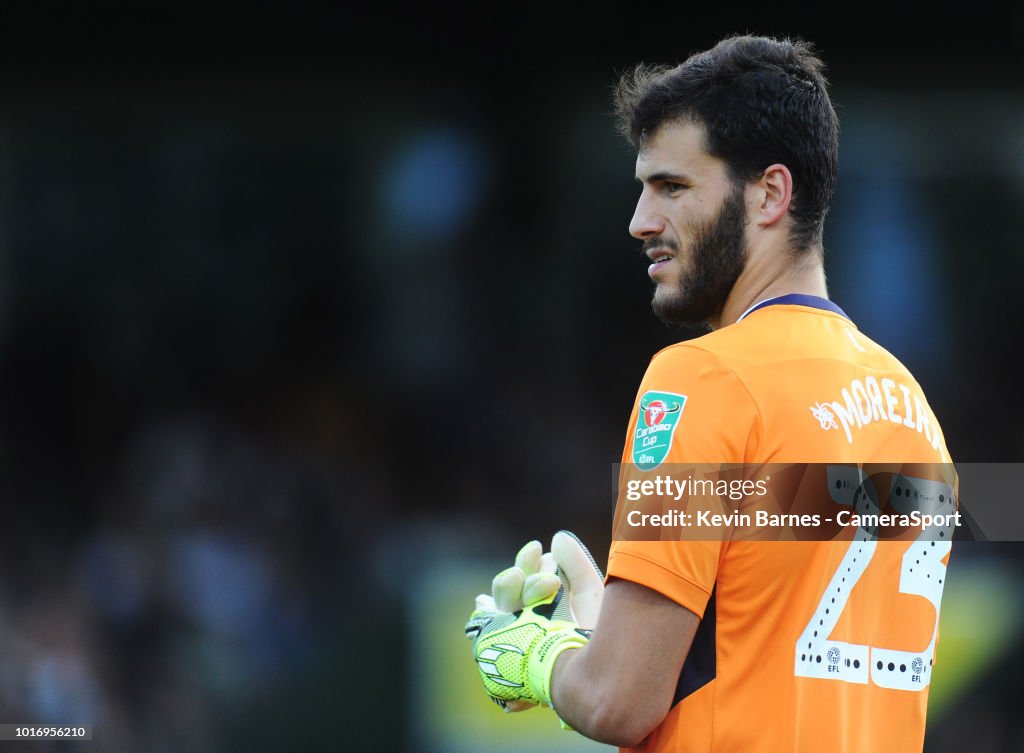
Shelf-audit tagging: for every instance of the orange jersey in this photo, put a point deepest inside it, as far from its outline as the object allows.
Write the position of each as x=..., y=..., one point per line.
x=816, y=646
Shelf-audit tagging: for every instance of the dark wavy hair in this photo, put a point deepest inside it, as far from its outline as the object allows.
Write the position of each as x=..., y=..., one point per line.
x=761, y=101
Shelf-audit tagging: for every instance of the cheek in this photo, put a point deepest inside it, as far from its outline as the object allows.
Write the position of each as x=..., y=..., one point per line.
x=689, y=225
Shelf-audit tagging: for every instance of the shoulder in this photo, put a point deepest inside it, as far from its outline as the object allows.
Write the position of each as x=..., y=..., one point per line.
x=706, y=349
x=691, y=388
x=714, y=358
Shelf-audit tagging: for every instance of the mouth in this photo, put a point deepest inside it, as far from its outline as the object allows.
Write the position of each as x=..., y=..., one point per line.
x=659, y=258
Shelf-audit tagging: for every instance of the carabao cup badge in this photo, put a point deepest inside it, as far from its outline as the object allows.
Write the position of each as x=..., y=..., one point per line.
x=656, y=424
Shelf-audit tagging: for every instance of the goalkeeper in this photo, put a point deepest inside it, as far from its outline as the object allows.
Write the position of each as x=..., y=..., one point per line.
x=723, y=646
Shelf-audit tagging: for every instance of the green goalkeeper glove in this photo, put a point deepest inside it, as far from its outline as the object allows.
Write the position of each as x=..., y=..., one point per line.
x=531, y=579
x=534, y=582
x=516, y=653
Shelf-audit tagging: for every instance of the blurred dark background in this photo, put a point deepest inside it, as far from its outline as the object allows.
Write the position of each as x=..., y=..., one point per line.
x=307, y=314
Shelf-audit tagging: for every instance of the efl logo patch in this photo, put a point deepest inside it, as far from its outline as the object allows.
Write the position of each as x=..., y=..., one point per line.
x=656, y=424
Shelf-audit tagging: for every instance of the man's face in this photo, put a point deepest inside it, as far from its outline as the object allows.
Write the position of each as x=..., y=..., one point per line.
x=691, y=217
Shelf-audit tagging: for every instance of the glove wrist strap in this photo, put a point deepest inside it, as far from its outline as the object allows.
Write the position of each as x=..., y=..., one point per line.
x=545, y=653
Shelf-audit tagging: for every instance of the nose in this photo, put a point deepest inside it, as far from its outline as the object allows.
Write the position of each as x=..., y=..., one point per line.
x=647, y=221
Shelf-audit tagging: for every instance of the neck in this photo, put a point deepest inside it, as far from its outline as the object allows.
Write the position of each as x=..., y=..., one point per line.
x=759, y=282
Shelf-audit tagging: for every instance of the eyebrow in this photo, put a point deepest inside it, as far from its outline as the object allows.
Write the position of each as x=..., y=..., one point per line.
x=664, y=177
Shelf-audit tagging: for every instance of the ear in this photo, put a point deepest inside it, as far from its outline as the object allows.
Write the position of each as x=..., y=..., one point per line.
x=774, y=192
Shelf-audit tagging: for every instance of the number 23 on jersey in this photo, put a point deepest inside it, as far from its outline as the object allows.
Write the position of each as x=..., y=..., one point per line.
x=922, y=575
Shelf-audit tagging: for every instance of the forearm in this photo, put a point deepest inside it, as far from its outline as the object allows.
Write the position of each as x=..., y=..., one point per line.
x=589, y=704
x=619, y=687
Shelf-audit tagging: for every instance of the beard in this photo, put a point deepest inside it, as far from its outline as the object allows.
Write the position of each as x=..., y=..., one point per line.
x=717, y=257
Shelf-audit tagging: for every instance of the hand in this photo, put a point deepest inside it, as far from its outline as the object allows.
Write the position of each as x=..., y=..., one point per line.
x=532, y=579
x=516, y=653
x=535, y=578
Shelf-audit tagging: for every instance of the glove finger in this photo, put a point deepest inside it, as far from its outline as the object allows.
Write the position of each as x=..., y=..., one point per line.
x=485, y=603
x=575, y=560
x=507, y=588
x=548, y=564
x=529, y=557
x=586, y=584
x=540, y=586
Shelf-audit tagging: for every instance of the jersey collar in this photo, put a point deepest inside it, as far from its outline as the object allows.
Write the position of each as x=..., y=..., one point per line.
x=797, y=299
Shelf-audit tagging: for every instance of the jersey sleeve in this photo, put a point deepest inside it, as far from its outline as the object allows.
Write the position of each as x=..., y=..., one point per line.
x=690, y=408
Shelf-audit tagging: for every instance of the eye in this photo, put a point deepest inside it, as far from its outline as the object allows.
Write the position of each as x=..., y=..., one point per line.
x=674, y=187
